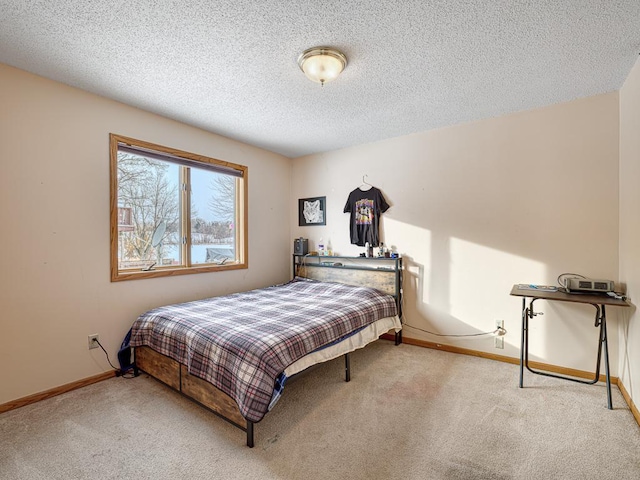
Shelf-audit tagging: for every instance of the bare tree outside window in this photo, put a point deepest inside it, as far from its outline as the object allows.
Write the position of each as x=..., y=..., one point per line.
x=223, y=194
x=144, y=188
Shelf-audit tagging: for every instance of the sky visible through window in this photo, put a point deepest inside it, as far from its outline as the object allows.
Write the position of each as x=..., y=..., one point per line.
x=201, y=192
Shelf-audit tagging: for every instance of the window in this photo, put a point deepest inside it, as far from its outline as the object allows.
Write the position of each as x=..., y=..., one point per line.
x=174, y=212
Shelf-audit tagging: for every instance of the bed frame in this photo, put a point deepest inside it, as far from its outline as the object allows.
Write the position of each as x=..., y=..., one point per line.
x=176, y=376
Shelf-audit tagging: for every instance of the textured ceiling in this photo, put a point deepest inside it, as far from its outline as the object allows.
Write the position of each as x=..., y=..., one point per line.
x=230, y=67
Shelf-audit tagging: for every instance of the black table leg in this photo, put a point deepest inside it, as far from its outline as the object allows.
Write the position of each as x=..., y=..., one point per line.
x=524, y=327
x=603, y=338
x=601, y=321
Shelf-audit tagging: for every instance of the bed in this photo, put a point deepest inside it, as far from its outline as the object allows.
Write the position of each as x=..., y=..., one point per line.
x=233, y=354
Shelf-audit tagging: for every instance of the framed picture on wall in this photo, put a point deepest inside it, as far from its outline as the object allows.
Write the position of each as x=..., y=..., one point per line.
x=312, y=211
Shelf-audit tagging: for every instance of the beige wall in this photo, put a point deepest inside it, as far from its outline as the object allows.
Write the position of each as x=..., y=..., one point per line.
x=54, y=187
x=630, y=230
x=479, y=207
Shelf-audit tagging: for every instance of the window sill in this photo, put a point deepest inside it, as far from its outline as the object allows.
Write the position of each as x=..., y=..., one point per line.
x=119, y=276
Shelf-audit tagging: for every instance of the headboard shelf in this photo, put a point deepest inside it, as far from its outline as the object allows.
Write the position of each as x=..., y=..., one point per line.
x=373, y=259
x=351, y=267
x=379, y=264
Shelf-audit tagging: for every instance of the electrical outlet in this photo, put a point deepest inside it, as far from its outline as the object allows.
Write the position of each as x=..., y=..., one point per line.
x=93, y=341
x=499, y=338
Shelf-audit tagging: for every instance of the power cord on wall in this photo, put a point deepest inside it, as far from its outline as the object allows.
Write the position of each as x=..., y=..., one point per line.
x=500, y=331
x=119, y=372
x=301, y=268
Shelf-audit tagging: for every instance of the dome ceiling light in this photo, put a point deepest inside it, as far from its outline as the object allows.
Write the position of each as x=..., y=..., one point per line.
x=322, y=64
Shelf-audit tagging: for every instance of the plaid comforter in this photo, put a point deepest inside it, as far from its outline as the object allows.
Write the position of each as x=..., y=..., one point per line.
x=241, y=342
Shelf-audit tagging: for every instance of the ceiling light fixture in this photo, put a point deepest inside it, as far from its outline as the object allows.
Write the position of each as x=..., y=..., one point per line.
x=322, y=64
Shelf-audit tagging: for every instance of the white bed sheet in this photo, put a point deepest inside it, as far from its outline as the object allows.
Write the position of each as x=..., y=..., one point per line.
x=358, y=340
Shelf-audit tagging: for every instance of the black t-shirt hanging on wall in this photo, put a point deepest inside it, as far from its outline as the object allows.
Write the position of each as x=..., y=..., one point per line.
x=365, y=208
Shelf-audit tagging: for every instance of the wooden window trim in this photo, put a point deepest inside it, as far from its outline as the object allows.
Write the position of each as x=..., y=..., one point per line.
x=242, y=193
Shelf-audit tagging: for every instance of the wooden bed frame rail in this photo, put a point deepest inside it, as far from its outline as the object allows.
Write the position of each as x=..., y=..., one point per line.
x=175, y=375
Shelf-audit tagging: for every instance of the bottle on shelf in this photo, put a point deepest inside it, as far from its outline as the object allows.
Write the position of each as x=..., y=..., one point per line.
x=321, y=247
x=329, y=248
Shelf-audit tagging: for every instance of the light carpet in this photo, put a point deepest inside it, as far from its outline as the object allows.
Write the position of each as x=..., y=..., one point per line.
x=408, y=413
